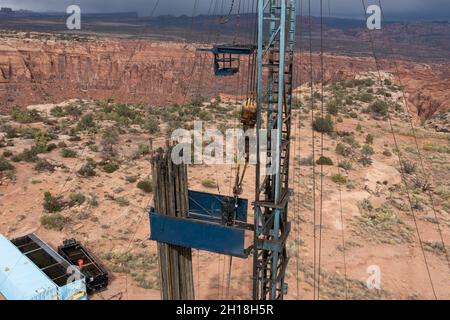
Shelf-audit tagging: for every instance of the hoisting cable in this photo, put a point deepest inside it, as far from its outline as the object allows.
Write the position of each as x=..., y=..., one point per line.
x=224, y=20
x=341, y=213
x=401, y=164
x=321, y=148
x=313, y=144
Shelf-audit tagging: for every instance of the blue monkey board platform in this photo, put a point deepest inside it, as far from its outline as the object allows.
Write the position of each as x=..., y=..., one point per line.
x=226, y=57
x=205, y=227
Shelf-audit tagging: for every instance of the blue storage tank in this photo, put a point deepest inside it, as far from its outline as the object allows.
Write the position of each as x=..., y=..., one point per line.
x=32, y=270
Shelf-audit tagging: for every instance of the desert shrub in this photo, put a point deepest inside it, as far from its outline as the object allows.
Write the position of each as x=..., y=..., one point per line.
x=387, y=153
x=145, y=185
x=52, y=204
x=7, y=154
x=143, y=149
x=346, y=165
x=351, y=141
x=353, y=114
x=27, y=155
x=366, y=153
x=5, y=165
x=408, y=167
x=62, y=144
x=343, y=150
x=110, y=138
x=11, y=132
x=70, y=110
x=367, y=150
x=87, y=170
x=111, y=167
x=387, y=82
x=365, y=97
x=369, y=139
x=339, y=179
x=50, y=147
x=151, y=124
x=323, y=125
x=87, y=122
x=24, y=116
x=68, y=153
x=74, y=138
x=324, y=161
x=208, y=183
x=76, y=199
x=333, y=107
x=43, y=165
x=53, y=221
x=122, y=201
x=93, y=148
x=308, y=161
x=41, y=139
x=380, y=108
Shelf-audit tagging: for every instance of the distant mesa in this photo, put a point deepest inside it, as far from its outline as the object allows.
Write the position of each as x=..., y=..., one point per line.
x=6, y=10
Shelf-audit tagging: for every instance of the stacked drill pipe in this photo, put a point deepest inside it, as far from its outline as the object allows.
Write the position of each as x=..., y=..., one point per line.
x=171, y=198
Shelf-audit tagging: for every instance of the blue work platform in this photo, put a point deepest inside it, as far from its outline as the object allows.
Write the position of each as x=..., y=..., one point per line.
x=204, y=227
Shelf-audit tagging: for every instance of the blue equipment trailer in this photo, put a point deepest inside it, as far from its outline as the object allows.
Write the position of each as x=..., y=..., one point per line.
x=31, y=270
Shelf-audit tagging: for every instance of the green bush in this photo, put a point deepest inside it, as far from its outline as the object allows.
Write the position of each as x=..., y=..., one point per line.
x=387, y=153
x=380, y=108
x=308, y=161
x=346, y=165
x=50, y=147
x=52, y=204
x=366, y=151
x=369, y=139
x=87, y=122
x=343, y=150
x=208, y=183
x=87, y=170
x=145, y=185
x=365, y=97
x=68, y=153
x=111, y=167
x=351, y=141
x=324, y=161
x=76, y=199
x=323, y=125
x=151, y=124
x=339, y=179
x=333, y=107
x=24, y=116
x=408, y=167
x=122, y=201
x=143, y=149
x=53, y=221
x=5, y=165
x=27, y=155
x=62, y=144
x=7, y=154
x=44, y=165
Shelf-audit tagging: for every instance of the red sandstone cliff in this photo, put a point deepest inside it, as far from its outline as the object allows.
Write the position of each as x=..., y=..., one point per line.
x=39, y=70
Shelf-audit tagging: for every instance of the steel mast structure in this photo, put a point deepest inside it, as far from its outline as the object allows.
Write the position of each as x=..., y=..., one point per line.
x=218, y=223
x=271, y=222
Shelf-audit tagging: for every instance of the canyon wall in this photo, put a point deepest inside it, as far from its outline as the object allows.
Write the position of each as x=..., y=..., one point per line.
x=140, y=71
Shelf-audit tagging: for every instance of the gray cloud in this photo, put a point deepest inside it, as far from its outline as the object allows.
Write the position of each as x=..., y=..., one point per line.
x=416, y=9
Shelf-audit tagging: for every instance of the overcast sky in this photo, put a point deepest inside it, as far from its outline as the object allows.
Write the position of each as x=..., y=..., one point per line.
x=394, y=9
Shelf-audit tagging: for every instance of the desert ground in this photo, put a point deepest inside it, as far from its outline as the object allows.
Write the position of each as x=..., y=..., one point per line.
x=80, y=169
